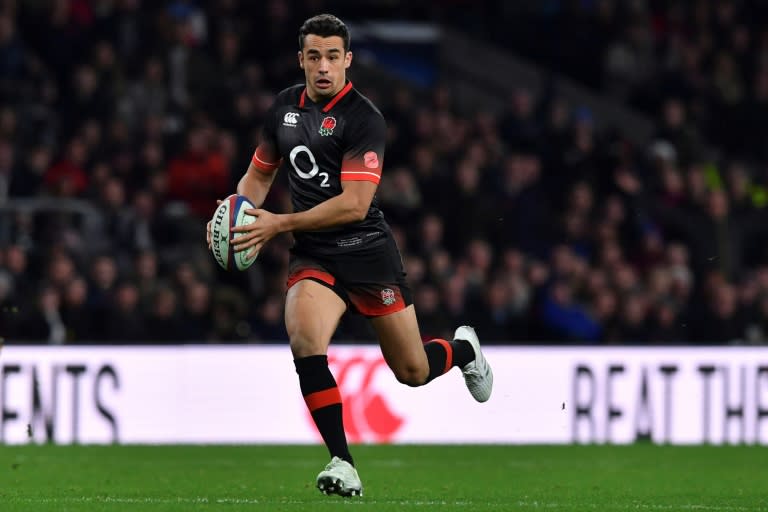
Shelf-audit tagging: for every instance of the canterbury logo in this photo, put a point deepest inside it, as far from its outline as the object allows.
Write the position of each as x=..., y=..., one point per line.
x=291, y=118
x=367, y=415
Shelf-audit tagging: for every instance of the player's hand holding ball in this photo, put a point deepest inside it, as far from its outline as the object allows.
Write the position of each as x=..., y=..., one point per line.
x=233, y=236
x=231, y=213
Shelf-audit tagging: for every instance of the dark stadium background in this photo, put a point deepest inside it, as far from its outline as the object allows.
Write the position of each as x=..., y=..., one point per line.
x=557, y=172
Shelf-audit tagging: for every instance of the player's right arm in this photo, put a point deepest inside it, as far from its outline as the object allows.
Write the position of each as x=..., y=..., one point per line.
x=257, y=180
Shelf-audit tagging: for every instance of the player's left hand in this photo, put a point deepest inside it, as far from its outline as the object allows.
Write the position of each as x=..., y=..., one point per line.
x=257, y=233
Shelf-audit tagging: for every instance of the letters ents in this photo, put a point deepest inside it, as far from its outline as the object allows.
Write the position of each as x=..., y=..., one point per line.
x=50, y=402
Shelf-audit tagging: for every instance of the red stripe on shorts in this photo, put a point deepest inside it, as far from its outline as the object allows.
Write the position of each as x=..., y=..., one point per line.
x=307, y=273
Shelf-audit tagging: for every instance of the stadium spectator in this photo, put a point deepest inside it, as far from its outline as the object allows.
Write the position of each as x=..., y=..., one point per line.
x=269, y=325
x=163, y=323
x=42, y=321
x=77, y=314
x=125, y=322
x=67, y=177
x=198, y=176
x=432, y=320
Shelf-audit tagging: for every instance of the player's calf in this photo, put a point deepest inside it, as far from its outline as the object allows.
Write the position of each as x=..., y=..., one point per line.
x=443, y=355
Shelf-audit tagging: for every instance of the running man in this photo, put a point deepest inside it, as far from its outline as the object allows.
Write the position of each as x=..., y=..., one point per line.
x=330, y=140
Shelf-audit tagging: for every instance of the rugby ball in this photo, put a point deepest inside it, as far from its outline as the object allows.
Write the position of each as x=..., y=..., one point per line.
x=230, y=213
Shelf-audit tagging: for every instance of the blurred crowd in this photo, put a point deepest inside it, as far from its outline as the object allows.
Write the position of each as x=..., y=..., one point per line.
x=536, y=224
x=711, y=55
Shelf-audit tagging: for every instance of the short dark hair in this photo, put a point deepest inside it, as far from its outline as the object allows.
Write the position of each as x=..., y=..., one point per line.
x=324, y=25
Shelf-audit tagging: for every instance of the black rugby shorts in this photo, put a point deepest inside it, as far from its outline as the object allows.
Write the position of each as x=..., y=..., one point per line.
x=371, y=281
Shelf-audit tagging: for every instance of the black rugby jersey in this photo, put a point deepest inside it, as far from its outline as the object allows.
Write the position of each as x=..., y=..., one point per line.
x=320, y=145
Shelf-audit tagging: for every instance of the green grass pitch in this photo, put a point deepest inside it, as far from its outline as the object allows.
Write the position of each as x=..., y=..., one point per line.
x=395, y=478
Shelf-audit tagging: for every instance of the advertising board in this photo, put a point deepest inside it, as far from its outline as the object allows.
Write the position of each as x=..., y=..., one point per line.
x=250, y=394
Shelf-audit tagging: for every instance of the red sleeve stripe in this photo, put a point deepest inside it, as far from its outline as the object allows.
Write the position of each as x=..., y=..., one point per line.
x=360, y=176
x=261, y=164
x=358, y=167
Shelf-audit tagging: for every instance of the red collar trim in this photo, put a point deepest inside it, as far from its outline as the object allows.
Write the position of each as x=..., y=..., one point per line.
x=338, y=97
x=334, y=100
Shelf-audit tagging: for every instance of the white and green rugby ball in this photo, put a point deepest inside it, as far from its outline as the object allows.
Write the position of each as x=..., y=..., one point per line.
x=230, y=213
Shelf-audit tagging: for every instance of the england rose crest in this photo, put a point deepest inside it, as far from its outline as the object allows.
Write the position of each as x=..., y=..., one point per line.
x=327, y=126
x=388, y=297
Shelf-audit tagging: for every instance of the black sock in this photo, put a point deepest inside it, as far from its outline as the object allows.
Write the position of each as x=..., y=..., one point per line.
x=324, y=403
x=444, y=355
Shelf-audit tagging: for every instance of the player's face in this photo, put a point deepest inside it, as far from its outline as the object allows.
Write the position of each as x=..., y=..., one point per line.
x=325, y=64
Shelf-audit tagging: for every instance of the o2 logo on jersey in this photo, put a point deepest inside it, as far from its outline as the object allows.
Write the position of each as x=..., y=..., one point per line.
x=291, y=119
x=367, y=415
x=314, y=171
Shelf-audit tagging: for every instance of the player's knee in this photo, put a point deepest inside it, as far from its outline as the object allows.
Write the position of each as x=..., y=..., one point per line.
x=303, y=343
x=412, y=375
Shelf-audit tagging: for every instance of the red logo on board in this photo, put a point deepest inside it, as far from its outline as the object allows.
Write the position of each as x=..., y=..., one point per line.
x=367, y=415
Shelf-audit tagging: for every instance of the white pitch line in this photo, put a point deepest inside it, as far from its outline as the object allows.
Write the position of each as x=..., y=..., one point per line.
x=238, y=501
x=365, y=502
x=644, y=506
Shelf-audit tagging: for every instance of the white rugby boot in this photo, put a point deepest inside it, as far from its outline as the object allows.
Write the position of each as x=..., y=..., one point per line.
x=340, y=477
x=478, y=375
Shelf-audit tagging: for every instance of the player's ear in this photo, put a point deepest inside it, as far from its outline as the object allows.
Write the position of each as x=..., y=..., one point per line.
x=301, y=59
x=347, y=60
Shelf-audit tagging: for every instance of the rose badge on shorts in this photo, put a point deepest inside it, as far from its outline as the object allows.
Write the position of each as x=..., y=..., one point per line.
x=388, y=296
x=327, y=126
